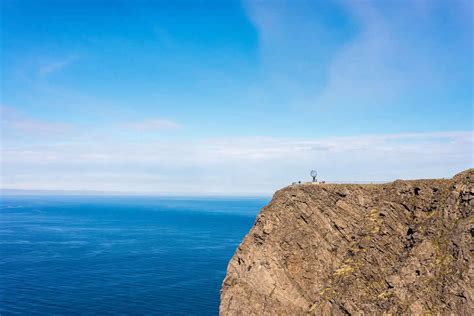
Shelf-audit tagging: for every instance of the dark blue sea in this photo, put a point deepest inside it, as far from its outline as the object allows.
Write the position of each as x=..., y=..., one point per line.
x=118, y=255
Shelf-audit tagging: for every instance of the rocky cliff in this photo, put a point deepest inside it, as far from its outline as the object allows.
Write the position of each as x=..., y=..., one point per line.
x=404, y=247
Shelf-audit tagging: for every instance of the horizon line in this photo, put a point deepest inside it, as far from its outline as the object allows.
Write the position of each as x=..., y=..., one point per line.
x=56, y=192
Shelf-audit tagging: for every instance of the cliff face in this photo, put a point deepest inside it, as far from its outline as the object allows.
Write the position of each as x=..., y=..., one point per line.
x=402, y=247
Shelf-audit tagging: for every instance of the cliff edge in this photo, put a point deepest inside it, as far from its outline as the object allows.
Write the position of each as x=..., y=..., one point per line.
x=404, y=247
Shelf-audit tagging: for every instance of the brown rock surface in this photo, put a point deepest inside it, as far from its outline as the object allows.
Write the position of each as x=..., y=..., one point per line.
x=404, y=247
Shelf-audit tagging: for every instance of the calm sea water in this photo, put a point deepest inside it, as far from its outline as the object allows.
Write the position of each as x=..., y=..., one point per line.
x=118, y=255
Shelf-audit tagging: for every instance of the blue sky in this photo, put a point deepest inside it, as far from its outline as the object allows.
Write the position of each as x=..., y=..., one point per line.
x=224, y=97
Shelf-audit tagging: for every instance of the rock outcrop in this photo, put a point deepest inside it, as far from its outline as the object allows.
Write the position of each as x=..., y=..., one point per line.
x=404, y=247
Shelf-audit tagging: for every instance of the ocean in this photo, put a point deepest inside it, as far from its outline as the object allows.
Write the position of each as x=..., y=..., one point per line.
x=88, y=255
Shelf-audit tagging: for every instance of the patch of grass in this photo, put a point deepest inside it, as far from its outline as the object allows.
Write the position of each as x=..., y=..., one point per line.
x=344, y=270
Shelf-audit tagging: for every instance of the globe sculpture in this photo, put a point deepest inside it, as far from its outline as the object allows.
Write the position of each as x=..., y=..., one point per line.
x=313, y=174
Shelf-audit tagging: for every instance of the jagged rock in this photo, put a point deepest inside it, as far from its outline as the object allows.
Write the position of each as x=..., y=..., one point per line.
x=404, y=247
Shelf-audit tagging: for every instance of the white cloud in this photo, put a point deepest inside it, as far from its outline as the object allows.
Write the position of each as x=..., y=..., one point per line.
x=152, y=124
x=396, y=51
x=57, y=65
x=14, y=121
x=233, y=166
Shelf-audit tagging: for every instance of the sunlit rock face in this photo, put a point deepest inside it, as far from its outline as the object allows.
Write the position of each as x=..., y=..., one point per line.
x=402, y=247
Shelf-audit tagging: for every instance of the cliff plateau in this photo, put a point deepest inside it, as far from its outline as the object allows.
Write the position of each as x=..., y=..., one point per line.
x=404, y=247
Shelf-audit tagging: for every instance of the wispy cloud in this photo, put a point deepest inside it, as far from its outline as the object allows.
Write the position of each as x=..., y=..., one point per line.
x=152, y=124
x=395, y=51
x=56, y=65
x=384, y=61
x=18, y=122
